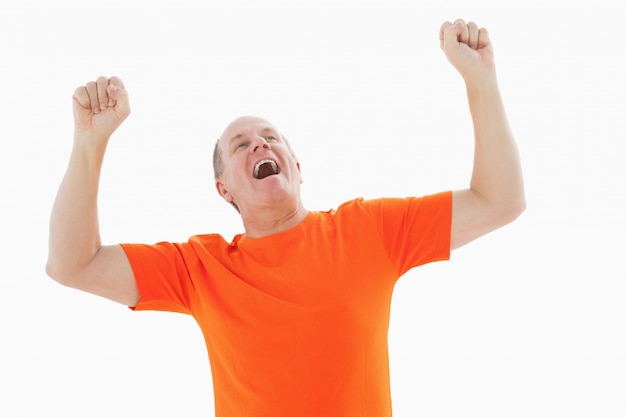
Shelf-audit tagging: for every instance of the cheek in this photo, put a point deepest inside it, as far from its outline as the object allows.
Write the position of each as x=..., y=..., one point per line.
x=232, y=180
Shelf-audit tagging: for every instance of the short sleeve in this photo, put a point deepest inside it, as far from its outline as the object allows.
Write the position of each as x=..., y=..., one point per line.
x=162, y=277
x=414, y=230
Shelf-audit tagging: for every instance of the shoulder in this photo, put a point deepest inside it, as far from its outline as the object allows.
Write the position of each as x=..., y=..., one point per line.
x=210, y=241
x=394, y=204
x=194, y=244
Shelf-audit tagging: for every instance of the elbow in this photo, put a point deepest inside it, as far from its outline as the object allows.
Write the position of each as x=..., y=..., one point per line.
x=513, y=210
x=53, y=272
x=59, y=274
x=520, y=205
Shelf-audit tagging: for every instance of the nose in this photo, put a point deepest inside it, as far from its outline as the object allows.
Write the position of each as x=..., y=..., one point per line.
x=259, y=142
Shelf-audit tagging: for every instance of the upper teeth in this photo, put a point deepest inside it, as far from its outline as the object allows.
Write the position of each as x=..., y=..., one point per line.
x=258, y=166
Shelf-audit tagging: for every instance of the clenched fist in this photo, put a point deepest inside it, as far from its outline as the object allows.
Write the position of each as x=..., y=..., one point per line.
x=468, y=48
x=100, y=107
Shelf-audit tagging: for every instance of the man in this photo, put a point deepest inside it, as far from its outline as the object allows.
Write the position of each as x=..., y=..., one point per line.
x=295, y=310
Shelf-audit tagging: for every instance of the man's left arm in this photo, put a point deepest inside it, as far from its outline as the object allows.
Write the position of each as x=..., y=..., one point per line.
x=496, y=193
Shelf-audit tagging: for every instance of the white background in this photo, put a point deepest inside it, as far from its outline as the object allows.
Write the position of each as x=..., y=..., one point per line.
x=527, y=321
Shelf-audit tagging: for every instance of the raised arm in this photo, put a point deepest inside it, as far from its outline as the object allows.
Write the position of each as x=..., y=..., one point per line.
x=76, y=256
x=495, y=196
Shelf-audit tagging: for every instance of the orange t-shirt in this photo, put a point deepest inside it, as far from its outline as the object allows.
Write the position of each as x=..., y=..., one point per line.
x=296, y=323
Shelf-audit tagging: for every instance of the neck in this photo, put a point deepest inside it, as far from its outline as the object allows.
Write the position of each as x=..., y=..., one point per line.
x=261, y=223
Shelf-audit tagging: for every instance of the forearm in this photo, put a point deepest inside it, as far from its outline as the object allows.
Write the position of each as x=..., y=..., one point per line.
x=497, y=173
x=74, y=230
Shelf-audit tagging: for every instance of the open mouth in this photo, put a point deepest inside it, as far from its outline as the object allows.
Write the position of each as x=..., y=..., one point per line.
x=265, y=168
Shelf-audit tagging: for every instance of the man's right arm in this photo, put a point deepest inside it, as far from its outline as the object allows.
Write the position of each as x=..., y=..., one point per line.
x=76, y=255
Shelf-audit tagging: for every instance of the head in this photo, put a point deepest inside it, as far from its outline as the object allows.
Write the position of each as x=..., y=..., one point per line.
x=254, y=166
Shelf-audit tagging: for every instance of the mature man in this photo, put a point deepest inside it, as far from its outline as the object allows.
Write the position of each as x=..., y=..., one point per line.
x=294, y=311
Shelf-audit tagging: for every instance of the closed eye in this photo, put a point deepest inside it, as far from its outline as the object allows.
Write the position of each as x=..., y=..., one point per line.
x=241, y=145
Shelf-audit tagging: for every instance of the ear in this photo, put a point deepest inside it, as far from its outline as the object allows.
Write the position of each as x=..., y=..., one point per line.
x=221, y=189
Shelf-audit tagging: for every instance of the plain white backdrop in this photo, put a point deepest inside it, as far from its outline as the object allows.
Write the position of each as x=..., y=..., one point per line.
x=529, y=320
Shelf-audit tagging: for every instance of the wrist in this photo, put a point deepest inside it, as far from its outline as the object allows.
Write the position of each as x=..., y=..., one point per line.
x=90, y=142
x=483, y=81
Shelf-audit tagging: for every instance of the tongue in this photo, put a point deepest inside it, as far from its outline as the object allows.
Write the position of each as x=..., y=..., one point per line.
x=265, y=170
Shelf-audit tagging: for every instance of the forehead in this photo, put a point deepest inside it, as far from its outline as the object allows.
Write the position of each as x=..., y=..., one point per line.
x=246, y=124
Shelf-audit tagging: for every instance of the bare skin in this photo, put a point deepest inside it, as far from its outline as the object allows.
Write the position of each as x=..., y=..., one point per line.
x=496, y=193
x=76, y=255
x=270, y=205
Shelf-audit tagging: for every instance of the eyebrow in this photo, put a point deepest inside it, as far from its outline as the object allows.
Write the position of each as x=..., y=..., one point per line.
x=265, y=130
